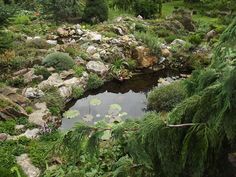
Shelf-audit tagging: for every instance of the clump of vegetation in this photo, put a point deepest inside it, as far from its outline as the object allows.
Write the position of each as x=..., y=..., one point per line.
x=29, y=109
x=94, y=81
x=58, y=60
x=53, y=100
x=195, y=39
x=77, y=92
x=41, y=70
x=62, y=10
x=167, y=97
x=95, y=11
x=146, y=9
x=151, y=40
x=38, y=43
x=22, y=20
x=16, y=82
x=79, y=70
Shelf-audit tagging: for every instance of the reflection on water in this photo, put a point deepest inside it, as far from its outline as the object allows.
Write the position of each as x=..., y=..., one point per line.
x=114, y=101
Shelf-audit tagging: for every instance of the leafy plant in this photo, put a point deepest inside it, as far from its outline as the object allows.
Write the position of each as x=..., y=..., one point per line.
x=79, y=70
x=60, y=61
x=94, y=81
x=77, y=92
x=41, y=70
x=22, y=20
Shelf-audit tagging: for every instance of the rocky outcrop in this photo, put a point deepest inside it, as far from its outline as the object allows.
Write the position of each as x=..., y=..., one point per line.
x=144, y=57
x=32, y=93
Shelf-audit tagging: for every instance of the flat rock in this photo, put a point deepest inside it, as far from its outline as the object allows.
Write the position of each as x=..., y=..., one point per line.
x=97, y=67
x=25, y=163
x=54, y=80
x=33, y=92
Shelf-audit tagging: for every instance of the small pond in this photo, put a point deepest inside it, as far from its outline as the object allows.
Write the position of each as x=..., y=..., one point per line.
x=115, y=101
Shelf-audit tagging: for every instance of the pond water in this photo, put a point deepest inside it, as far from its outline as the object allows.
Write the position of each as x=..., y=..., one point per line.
x=115, y=101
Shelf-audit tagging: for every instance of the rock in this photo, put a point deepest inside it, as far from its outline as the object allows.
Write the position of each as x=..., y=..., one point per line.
x=41, y=116
x=25, y=163
x=96, y=56
x=51, y=69
x=54, y=80
x=65, y=92
x=73, y=82
x=62, y=32
x=66, y=74
x=31, y=134
x=177, y=43
x=19, y=127
x=33, y=93
x=3, y=137
x=119, y=31
x=80, y=61
x=91, y=50
x=210, y=35
x=97, y=67
x=165, y=52
x=118, y=19
x=144, y=57
x=140, y=17
x=95, y=37
x=79, y=32
x=21, y=72
x=10, y=110
x=52, y=42
x=12, y=94
x=52, y=37
x=30, y=76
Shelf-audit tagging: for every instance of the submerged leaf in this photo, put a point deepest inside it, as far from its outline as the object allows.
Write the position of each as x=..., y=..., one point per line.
x=88, y=118
x=114, y=109
x=71, y=114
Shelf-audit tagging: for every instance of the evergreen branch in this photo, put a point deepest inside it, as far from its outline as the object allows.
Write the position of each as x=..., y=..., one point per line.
x=183, y=125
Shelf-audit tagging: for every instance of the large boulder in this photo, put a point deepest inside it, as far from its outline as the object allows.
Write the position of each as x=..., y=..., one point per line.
x=53, y=81
x=144, y=57
x=97, y=67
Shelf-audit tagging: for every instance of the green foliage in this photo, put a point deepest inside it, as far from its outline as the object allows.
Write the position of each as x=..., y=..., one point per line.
x=41, y=70
x=38, y=43
x=16, y=82
x=29, y=109
x=146, y=9
x=131, y=64
x=53, y=100
x=195, y=39
x=6, y=40
x=167, y=97
x=151, y=40
x=77, y=92
x=123, y=4
x=95, y=11
x=79, y=70
x=62, y=10
x=94, y=81
x=22, y=20
x=60, y=61
x=6, y=12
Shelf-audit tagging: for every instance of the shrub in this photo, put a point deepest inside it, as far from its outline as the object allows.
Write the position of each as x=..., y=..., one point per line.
x=145, y=9
x=95, y=11
x=29, y=109
x=72, y=51
x=94, y=81
x=170, y=38
x=54, y=100
x=59, y=60
x=41, y=70
x=77, y=92
x=6, y=40
x=132, y=64
x=38, y=43
x=22, y=20
x=167, y=97
x=195, y=39
x=61, y=9
x=79, y=70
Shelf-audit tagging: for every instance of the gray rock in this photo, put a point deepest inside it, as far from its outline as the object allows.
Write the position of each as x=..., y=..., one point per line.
x=91, y=50
x=96, y=56
x=41, y=116
x=52, y=42
x=97, y=67
x=3, y=137
x=66, y=74
x=25, y=163
x=53, y=80
x=93, y=36
x=33, y=93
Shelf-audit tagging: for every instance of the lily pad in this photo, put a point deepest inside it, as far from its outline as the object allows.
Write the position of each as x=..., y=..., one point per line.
x=71, y=114
x=88, y=118
x=114, y=109
x=95, y=102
